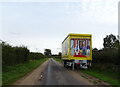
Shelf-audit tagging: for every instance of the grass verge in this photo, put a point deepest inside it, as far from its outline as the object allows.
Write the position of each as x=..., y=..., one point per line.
x=58, y=59
x=13, y=73
x=109, y=77
x=106, y=76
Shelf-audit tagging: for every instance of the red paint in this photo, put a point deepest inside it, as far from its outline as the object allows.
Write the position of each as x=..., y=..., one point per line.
x=79, y=56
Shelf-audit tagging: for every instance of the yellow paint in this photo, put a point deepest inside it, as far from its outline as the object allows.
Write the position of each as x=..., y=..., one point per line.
x=77, y=58
x=84, y=35
x=80, y=37
x=69, y=57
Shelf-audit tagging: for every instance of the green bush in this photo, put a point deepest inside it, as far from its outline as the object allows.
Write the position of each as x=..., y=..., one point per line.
x=34, y=56
x=13, y=55
x=105, y=56
x=106, y=59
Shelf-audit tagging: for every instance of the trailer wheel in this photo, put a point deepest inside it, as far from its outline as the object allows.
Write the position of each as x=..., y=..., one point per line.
x=64, y=64
x=73, y=66
x=89, y=64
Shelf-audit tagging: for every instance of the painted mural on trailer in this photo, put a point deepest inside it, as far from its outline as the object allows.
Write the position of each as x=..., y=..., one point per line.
x=65, y=48
x=80, y=47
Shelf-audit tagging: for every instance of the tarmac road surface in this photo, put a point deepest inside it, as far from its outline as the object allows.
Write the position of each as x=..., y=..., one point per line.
x=52, y=72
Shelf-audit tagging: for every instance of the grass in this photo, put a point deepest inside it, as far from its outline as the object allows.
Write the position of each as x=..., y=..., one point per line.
x=106, y=76
x=109, y=77
x=58, y=59
x=13, y=73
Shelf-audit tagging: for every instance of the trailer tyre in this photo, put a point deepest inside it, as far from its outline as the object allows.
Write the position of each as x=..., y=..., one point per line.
x=64, y=64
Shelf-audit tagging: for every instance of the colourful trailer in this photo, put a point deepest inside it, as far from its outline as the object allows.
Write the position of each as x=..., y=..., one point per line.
x=77, y=50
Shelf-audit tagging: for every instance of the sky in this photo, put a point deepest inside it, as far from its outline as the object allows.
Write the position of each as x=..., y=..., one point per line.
x=41, y=25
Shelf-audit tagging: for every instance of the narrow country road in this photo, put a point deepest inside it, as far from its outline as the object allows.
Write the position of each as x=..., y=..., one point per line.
x=52, y=73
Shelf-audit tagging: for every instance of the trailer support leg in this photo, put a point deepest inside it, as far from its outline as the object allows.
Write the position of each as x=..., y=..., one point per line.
x=73, y=66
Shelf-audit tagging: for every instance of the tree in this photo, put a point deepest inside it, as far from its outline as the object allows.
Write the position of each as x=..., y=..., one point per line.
x=110, y=41
x=47, y=52
x=60, y=54
x=95, y=49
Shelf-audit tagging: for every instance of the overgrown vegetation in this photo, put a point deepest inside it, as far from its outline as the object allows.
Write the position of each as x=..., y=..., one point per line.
x=105, y=61
x=16, y=55
x=13, y=73
x=109, y=77
x=17, y=61
x=13, y=55
x=58, y=59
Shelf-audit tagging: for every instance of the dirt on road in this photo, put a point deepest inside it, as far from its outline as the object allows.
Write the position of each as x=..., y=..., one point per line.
x=33, y=77
x=52, y=72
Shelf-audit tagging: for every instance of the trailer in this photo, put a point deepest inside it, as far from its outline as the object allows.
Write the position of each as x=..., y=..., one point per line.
x=77, y=51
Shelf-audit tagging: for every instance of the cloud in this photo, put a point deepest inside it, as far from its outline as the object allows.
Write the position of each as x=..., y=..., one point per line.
x=98, y=10
x=45, y=25
x=15, y=33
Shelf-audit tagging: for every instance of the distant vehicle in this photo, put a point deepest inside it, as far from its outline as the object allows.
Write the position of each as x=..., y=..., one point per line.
x=77, y=51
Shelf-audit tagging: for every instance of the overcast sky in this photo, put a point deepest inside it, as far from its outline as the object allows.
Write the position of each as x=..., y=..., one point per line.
x=40, y=25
